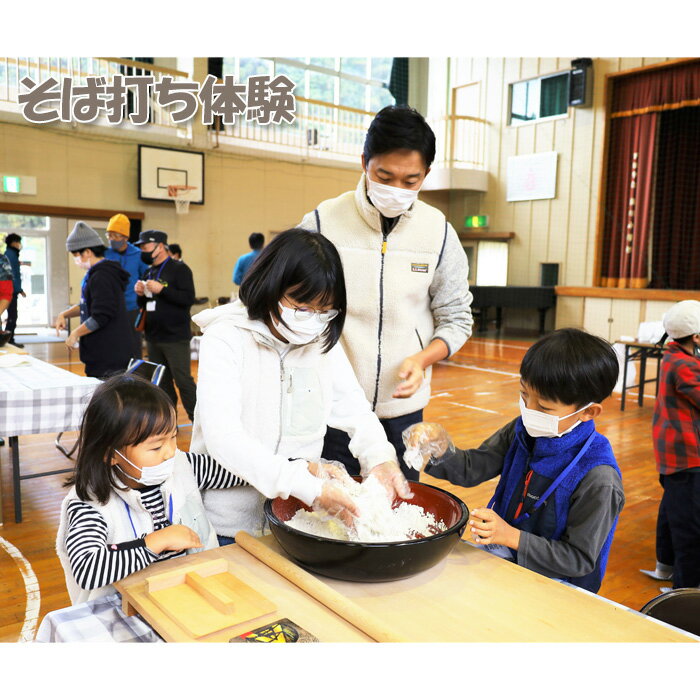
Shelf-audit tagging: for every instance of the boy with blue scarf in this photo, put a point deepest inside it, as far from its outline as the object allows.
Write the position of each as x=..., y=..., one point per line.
x=557, y=502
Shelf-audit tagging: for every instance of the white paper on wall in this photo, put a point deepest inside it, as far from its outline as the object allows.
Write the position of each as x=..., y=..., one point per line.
x=532, y=177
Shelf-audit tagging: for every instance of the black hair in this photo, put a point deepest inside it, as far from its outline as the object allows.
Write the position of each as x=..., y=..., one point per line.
x=685, y=340
x=97, y=250
x=125, y=410
x=175, y=249
x=572, y=367
x=256, y=241
x=12, y=238
x=305, y=264
x=399, y=127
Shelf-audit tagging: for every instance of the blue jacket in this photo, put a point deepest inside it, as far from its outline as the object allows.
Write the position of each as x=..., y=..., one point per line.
x=548, y=459
x=130, y=260
x=244, y=262
x=13, y=256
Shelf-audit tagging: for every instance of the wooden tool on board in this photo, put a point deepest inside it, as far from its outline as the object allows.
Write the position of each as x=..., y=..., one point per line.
x=205, y=598
x=336, y=602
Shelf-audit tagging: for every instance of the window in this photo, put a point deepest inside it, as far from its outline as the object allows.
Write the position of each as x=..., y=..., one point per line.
x=539, y=98
x=492, y=263
x=360, y=83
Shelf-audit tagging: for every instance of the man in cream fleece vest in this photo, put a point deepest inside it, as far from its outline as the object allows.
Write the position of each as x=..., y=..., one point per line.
x=406, y=276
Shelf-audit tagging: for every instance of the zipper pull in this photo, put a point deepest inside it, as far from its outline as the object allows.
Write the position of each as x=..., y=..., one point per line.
x=384, y=242
x=289, y=389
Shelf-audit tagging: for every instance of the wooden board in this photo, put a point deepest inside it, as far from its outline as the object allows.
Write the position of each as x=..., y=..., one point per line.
x=290, y=601
x=206, y=597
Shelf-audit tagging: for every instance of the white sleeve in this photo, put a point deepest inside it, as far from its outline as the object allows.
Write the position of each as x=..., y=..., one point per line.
x=352, y=413
x=220, y=402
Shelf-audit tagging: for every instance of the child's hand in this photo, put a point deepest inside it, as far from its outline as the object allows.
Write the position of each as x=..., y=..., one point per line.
x=487, y=527
x=174, y=538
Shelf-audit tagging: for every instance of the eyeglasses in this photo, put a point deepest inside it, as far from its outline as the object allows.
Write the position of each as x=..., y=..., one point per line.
x=305, y=314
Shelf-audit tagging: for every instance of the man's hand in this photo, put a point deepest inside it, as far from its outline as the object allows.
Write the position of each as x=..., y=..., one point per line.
x=487, y=527
x=336, y=502
x=23, y=294
x=60, y=323
x=412, y=373
x=154, y=287
x=140, y=287
x=330, y=470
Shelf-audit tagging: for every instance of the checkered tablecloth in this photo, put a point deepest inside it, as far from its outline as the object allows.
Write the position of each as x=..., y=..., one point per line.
x=99, y=620
x=41, y=398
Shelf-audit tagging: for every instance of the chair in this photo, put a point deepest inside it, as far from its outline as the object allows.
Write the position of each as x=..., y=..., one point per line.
x=679, y=607
x=148, y=370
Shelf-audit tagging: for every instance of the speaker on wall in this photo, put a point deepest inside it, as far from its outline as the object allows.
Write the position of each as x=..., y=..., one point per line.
x=581, y=83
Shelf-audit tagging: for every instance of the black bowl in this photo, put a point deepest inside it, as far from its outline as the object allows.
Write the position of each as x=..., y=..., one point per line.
x=371, y=561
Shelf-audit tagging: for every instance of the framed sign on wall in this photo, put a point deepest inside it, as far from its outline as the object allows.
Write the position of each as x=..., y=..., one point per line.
x=532, y=177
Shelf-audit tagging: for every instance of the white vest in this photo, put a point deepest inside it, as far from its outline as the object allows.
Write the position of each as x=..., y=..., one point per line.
x=389, y=315
x=127, y=520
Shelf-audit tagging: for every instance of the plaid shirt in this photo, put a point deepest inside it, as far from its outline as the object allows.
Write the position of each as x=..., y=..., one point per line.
x=676, y=423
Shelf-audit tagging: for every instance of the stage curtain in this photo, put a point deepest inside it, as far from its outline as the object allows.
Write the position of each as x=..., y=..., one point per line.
x=676, y=239
x=628, y=202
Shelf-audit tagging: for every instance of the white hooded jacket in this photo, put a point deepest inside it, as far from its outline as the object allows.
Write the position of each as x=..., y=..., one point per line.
x=262, y=411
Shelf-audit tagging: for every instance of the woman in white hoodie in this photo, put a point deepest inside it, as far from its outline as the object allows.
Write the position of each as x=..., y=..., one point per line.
x=272, y=376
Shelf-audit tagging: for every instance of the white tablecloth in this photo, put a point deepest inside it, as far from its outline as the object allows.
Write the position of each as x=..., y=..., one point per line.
x=99, y=620
x=40, y=398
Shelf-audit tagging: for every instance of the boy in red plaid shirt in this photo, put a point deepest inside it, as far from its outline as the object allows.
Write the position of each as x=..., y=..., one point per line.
x=676, y=432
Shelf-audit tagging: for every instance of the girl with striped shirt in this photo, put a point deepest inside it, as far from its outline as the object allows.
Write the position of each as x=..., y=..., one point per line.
x=134, y=498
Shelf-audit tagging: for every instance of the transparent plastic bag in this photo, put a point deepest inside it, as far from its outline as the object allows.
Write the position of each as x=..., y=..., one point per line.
x=426, y=442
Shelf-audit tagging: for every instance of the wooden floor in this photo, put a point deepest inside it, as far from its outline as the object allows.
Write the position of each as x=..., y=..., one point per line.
x=474, y=394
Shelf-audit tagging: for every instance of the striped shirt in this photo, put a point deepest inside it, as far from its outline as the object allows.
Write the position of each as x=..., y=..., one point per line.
x=95, y=563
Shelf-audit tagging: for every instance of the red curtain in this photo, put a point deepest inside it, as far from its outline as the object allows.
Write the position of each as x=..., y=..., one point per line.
x=628, y=201
x=676, y=240
x=668, y=87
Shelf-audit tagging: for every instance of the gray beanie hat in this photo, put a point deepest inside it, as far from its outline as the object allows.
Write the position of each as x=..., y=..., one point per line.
x=82, y=236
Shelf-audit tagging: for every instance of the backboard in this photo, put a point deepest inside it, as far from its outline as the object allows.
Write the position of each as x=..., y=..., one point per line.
x=160, y=167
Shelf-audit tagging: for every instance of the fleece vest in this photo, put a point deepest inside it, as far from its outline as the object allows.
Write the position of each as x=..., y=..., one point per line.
x=388, y=278
x=128, y=520
x=548, y=458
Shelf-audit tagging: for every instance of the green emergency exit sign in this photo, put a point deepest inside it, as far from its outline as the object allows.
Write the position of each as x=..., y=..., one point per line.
x=476, y=222
x=11, y=184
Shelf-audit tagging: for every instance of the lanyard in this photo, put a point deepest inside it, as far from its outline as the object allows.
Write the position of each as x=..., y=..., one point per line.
x=157, y=275
x=541, y=500
x=128, y=512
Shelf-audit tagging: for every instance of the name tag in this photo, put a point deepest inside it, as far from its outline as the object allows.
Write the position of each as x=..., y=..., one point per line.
x=150, y=305
x=419, y=267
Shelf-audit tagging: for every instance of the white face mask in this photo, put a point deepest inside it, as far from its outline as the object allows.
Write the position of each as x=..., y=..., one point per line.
x=81, y=263
x=390, y=201
x=540, y=424
x=298, y=332
x=150, y=476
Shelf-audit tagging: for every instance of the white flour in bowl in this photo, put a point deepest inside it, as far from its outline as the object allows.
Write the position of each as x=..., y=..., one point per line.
x=377, y=522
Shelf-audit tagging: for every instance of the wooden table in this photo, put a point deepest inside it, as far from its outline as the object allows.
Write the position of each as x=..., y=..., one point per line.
x=472, y=596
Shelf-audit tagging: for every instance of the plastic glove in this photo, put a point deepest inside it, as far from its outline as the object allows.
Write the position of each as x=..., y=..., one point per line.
x=337, y=503
x=393, y=480
x=425, y=442
x=328, y=469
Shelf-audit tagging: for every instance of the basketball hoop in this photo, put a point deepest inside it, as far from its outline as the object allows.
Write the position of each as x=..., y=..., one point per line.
x=181, y=195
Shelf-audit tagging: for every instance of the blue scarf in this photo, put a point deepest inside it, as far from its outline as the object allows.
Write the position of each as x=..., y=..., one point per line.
x=549, y=457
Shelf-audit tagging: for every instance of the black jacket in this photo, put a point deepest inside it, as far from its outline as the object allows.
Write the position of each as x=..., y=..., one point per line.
x=170, y=321
x=108, y=348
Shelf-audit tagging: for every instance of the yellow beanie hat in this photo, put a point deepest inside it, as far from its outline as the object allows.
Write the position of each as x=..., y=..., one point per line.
x=119, y=224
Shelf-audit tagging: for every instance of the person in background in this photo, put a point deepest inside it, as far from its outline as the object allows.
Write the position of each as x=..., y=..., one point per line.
x=104, y=332
x=677, y=449
x=6, y=287
x=166, y=295
x=256, y=241
x=13, y=243
x=175, y=251
x=129, y=257
x=560, y=492
x=406, y=274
